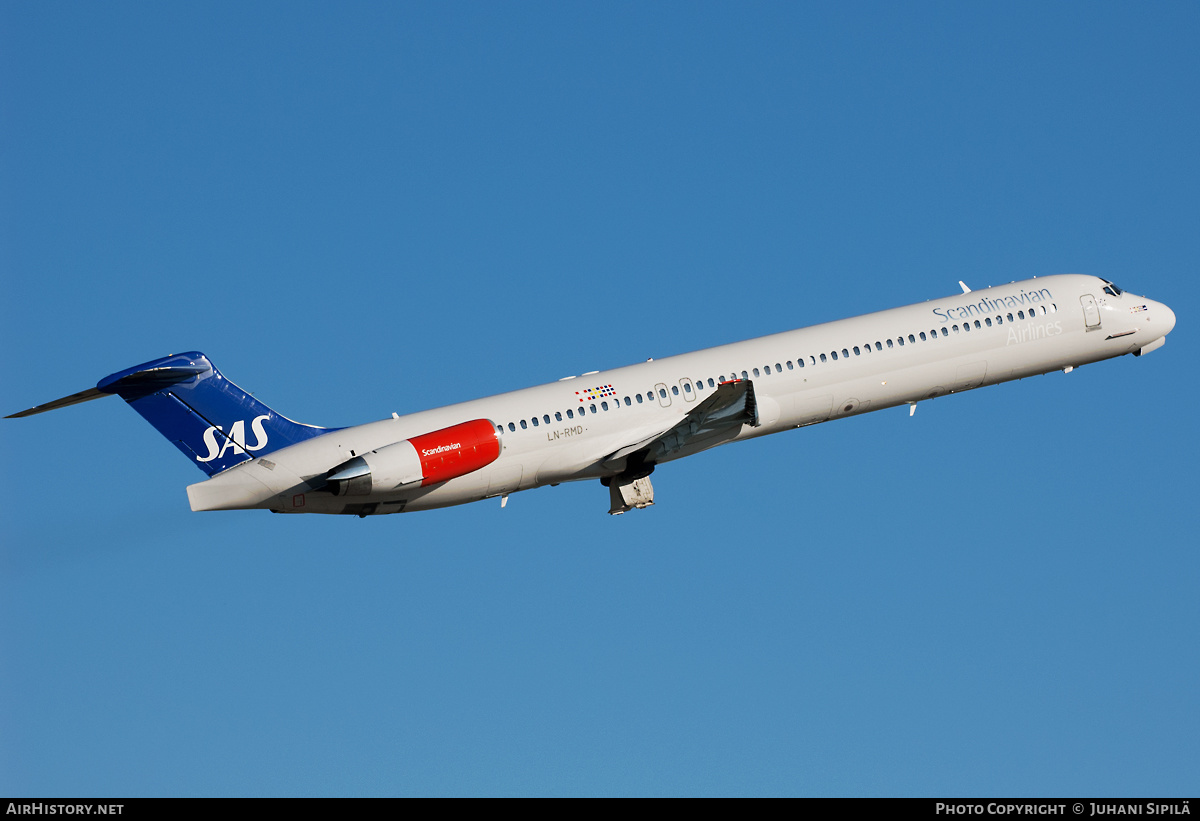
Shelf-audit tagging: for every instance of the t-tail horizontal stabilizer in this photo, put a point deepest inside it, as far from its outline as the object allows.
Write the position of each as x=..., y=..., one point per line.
x=66, y=401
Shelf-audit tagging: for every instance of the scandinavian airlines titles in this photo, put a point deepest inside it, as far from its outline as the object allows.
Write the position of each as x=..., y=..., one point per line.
x=987, y=306
x=441, y=449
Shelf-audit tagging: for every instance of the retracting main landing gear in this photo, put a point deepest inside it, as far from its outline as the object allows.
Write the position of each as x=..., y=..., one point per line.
x=627, y=492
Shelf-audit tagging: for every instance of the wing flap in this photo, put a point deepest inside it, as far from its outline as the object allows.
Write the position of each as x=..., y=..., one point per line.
x=718, y=417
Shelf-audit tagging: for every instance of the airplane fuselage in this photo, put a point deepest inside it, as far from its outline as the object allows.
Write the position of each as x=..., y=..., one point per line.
x=624, y=421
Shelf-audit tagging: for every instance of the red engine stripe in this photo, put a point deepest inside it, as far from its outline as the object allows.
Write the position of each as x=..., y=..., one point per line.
x=457, y=450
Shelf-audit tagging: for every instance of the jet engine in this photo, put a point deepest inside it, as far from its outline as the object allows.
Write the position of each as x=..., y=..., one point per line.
x=420, y=461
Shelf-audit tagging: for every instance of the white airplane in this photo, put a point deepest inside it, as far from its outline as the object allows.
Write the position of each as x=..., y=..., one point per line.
x=618, y=425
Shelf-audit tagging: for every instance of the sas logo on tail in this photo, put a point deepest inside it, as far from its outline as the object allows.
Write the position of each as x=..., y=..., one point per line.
x=236, y=439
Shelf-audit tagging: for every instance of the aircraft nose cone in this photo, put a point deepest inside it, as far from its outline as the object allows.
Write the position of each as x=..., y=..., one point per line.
x=1169, y=318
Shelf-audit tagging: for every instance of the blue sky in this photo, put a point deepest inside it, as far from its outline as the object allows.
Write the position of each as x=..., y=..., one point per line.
x=367, y=208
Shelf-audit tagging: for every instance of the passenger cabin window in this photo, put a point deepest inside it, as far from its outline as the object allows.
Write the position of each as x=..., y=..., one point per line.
x=922, y=336
x=945, y=332
x=604, y=405
x=889, y=343
x=833, y=354
x=823, y=359
x=558, y=416
x=845, y=354
x=628, y=402
x=570, y=413
x=535, y=422
x=512, y=427
x=523, y=425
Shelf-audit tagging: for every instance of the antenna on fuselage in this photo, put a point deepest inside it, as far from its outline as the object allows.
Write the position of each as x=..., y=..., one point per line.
x=963, y=285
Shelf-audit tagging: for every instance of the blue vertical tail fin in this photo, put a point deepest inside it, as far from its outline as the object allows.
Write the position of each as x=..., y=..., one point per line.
x=212, y=421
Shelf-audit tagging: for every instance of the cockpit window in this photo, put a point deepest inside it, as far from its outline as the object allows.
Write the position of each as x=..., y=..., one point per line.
x=1111, y=289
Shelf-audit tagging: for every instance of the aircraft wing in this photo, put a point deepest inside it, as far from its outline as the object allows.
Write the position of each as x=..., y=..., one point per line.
x=718, y=417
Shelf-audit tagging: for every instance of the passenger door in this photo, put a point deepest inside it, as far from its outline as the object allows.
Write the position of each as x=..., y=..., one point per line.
x=1091, y=312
